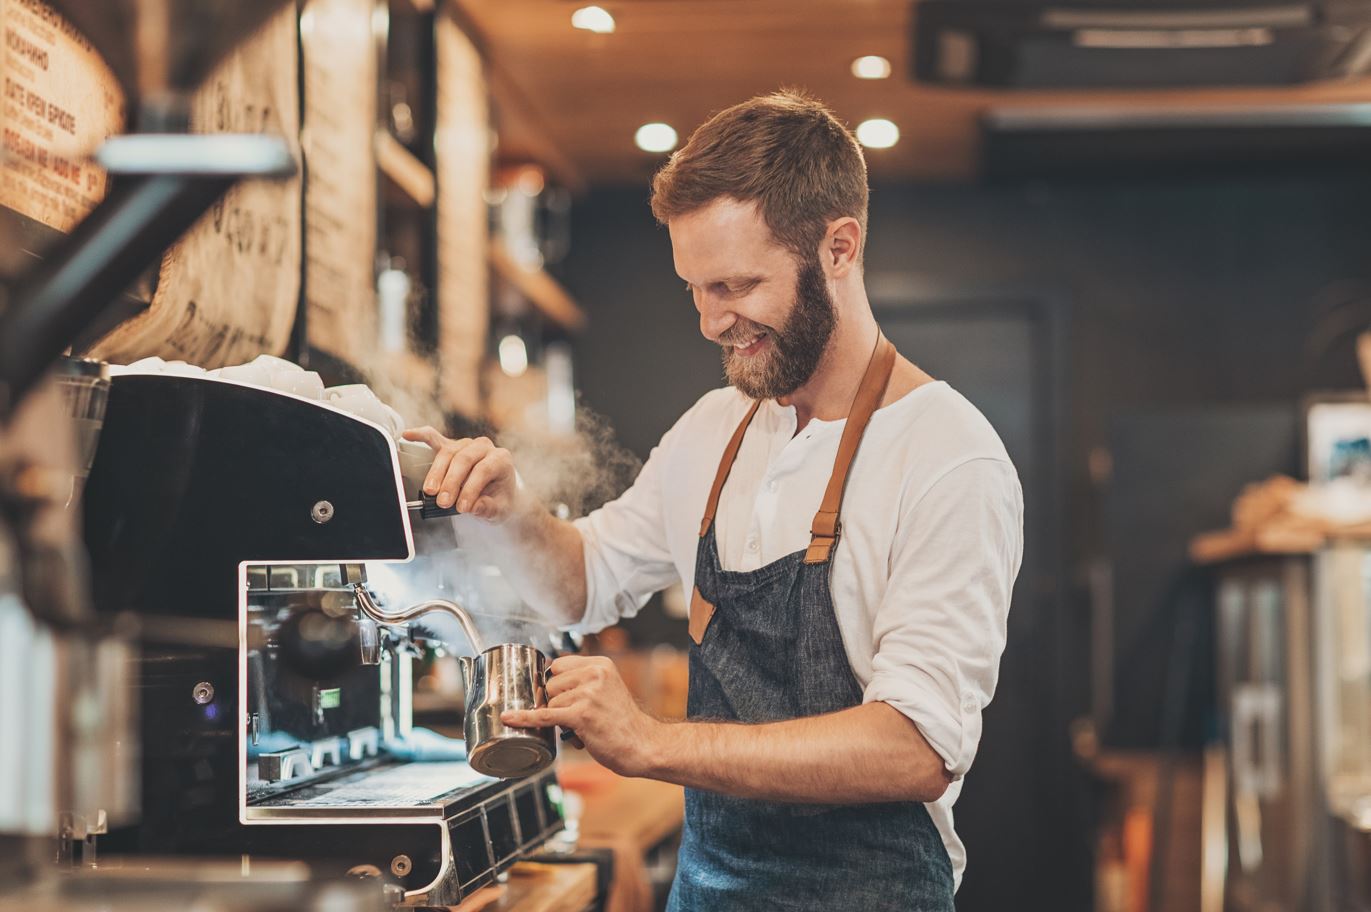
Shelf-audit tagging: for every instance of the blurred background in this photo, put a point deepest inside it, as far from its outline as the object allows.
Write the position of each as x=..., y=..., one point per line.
x=1135, y=235
x=1135, y=238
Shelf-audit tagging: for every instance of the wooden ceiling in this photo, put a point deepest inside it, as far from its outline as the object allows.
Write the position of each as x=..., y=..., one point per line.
x=572, y=99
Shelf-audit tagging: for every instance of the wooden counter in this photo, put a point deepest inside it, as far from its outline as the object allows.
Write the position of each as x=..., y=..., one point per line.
x=535, y=887
x=643, y=812
x=631, y=817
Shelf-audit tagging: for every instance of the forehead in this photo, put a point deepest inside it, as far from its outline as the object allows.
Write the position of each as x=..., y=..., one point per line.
x=724, y=239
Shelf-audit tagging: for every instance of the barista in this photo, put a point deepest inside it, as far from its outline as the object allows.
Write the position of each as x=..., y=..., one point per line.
x=850, y=529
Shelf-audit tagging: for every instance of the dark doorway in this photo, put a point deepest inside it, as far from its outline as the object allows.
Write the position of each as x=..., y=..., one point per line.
x=1024, y=848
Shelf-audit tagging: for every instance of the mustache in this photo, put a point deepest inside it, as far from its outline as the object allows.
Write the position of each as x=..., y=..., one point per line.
x=742, y=332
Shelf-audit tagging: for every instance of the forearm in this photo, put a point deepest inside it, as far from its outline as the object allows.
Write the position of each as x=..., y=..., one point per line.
x=869, y=753
x=541, y=556
x=543, y=559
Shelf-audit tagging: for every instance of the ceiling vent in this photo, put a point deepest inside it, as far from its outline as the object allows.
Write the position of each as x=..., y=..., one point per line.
x=1143, y=45
x=1084, y=142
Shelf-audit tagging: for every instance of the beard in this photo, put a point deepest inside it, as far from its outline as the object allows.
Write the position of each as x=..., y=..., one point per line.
x=796, y=348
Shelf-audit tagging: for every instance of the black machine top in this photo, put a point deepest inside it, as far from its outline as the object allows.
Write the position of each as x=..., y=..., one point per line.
x=194, y=476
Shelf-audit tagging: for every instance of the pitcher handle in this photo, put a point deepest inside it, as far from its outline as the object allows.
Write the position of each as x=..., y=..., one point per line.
x=567, y=735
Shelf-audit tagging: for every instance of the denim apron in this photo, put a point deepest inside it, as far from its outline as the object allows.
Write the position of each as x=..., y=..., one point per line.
x=766, y=647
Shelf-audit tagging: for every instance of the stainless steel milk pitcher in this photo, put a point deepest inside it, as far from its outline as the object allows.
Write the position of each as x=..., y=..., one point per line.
x=505, y=677
x=508, y=676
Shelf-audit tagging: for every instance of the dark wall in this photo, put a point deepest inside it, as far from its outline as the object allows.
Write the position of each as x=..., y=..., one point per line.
x=1163, y=297
x=1171, y=294
x=1178, y=292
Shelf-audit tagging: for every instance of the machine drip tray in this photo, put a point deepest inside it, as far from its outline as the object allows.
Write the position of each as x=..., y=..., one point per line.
x=409, y=790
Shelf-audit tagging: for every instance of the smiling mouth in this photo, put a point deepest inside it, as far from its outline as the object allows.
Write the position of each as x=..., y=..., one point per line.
x=748, y=346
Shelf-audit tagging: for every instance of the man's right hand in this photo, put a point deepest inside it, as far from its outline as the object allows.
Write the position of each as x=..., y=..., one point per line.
x=474, y=474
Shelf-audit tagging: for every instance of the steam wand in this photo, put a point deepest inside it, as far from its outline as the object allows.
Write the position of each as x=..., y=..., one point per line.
x=373, y=611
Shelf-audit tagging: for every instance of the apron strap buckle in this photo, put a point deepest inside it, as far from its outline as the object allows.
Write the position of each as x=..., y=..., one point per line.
x=825, y=524
x=824, y=535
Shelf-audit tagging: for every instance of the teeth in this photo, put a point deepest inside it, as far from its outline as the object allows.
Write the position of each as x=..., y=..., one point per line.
x=749, y=343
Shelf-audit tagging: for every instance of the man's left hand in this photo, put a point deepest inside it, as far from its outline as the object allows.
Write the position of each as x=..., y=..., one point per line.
x=587, y=695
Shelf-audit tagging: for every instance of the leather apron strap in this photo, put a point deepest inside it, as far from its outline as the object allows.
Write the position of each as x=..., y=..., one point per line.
x=735, y=443
x=826, y=528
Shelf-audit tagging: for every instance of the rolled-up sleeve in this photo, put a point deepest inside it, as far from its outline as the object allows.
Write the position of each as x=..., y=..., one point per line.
x=627, y=557
x=940, y=628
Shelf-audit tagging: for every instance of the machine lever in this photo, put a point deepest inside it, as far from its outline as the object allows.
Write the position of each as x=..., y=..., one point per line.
x=428, y=507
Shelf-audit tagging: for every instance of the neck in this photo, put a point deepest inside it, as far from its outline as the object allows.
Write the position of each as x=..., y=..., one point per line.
x=828, y=394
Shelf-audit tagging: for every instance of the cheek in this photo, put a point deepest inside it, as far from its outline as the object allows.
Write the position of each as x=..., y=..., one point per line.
x=767, y=310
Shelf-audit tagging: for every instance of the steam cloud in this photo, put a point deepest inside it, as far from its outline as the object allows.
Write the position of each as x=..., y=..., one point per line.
x=580, y=472
x=570, y=474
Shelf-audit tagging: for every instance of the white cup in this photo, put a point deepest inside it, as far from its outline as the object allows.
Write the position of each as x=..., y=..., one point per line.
x=303, y=383
x=358, y=399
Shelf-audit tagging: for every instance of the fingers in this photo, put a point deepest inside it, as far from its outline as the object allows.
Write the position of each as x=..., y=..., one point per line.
x=435, y=441
x=493, y=465
x=460, y=471
x=540, y=718
x=443, y=451
x=433, y=481
x=460, y=462
x=572, y=662
x=567, y=700
x=567, y=680
x=568, y=673
x=425, y=434
x=563, y=700
x=564, y=716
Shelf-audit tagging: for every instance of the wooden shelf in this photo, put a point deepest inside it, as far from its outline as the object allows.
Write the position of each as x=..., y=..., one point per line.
x=541, y=289
x=404, y=171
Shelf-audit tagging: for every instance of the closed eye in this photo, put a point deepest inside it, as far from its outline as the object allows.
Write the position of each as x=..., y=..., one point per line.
x=737, y=288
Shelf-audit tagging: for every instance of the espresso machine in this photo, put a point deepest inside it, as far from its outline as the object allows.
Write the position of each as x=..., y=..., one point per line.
x=297, y=583
x=81, y=755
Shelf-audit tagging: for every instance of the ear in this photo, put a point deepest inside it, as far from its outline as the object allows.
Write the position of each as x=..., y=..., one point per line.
x=841, y=249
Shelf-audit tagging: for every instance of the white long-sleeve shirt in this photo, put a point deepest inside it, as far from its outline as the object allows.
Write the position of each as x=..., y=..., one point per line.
x=932, y=538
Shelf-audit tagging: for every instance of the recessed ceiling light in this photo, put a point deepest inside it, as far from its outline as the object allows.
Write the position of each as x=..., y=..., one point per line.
x=871, y=67
x=593, y=19
x=877, y=133
x=655, y=137
x=513, y=356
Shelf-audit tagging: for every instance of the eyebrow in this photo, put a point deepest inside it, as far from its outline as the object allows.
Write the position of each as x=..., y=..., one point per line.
x=726, y=280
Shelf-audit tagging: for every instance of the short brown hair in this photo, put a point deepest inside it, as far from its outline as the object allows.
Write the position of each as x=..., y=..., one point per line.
x=786, y=152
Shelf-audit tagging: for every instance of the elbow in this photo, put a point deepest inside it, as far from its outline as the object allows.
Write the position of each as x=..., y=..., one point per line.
x=569, y=612
x=929, y=782
x=926, y=777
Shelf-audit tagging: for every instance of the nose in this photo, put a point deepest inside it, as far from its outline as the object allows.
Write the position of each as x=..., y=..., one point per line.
x=715, y=319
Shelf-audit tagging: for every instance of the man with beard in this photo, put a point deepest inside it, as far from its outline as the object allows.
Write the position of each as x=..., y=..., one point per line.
x=849, y=528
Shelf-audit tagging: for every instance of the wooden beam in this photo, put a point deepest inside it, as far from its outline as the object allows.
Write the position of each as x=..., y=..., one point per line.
x=541, y=289
x=516, y=111
x=404, y=169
